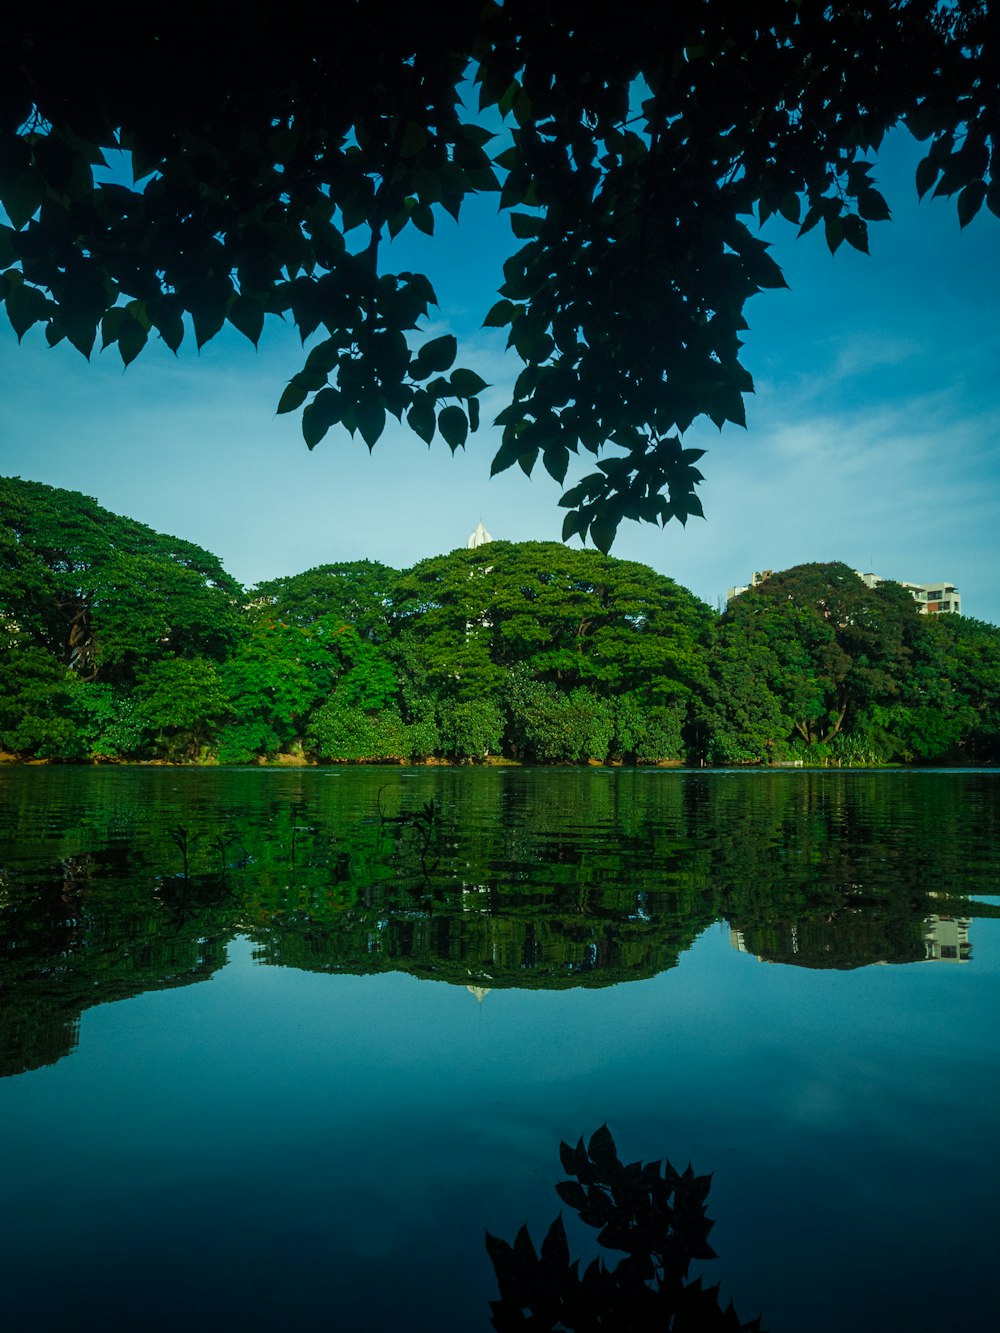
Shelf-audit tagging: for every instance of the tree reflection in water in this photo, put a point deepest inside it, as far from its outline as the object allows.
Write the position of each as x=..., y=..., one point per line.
x=649, y=1211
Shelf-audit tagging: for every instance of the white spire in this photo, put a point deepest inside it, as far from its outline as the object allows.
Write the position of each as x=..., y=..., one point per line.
x=478, y=538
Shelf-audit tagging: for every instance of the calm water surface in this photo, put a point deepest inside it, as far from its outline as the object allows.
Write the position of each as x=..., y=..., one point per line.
x=279, y=1046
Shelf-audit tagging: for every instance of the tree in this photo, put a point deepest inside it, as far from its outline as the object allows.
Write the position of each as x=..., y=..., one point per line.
x=566, y=655
x=356, y=591
x=102, y=593
x=652, y=1214
x=825, y=652
x=198, y=168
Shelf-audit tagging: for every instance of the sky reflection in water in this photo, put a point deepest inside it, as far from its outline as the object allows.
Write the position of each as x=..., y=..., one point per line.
x=283, y=1146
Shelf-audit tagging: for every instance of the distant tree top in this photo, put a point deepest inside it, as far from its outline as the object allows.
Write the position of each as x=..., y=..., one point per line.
x=196, y=166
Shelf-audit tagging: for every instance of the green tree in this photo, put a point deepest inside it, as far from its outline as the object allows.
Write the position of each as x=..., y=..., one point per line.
x=104, y=594
x=976, y=680
x=583, y=655
x=631, y=150
x=181, y=703
x=276, y=677
x=356, y=591
x=808, y=655
x=36, y=699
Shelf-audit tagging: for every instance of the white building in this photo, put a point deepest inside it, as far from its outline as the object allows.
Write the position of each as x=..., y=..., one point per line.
x=932, y=599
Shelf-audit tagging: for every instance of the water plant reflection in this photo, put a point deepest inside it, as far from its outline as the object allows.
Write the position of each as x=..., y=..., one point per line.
x=650, y=1212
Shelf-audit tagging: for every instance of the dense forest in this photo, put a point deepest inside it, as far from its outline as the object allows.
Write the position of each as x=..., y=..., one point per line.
x=120, y=643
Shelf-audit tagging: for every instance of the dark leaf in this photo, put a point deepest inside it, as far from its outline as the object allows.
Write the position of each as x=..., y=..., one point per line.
x=872, y=207
x=556, y=461
x=22, y=196
x=421, y=417
x=602, y=1150
x=25, y=306
x=437, y=355
x=454, y=426
x=555, y=1248
x=855, y=232
x=524, y=226
x=325, y=410
x=572, y=1193
x=970, y=201
x=500, y=315
x=602, y=533
x=369, y=417
x=927, y=174
x=131, y=339
x=466, y=383
x=247, y=315
x=834, y=228
x=790, y=206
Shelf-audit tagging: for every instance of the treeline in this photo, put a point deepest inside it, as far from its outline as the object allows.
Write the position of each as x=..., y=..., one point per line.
x=119, y=643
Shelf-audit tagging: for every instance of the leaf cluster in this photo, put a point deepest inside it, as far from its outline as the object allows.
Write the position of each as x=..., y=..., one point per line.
x=653, y=1213
x=631, y=151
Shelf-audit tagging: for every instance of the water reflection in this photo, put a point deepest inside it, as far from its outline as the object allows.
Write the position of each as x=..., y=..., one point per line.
x=653, y=1215
x=116, y=882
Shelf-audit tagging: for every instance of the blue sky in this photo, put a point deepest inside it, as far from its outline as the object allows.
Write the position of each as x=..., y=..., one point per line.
x=873, y=438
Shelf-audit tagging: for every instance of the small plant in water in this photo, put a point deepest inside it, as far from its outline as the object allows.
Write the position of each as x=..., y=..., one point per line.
x=184, y=840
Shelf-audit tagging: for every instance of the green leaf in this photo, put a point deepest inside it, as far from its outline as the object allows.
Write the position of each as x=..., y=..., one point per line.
x=369, y=415
x=439, y=354
x=325, y=410
x=132, y=338
x=790, y=207
x=927, y=174
x=8, y=255
x=111, y=325
x=602, y=533
x=168, y=322
x=556, y=461
x=524, y=226
x=472, y=407
x=421, y=417
x=454, y=426
x=855, y=232
x=422, y=218
x=208, y=316
x=294, y=396
x=247, y=315
x=573, y=524
x=872, y=206
x=834, y=228
x=323, y=357
x=25, y=306
x=970, y=201
x=466, y=383
x=22, y=196
x=506, y=456
x=922, y=122
x=500, y=315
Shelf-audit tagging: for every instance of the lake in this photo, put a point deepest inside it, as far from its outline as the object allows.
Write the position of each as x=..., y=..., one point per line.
x=280, y=1046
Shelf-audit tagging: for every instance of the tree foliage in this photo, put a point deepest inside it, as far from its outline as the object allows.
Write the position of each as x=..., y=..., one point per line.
x=119, y=643
x=210, y=168
x=650, y=1212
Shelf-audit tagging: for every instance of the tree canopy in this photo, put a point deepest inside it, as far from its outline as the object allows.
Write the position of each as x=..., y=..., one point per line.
x=117, y=642
x=194, y=168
